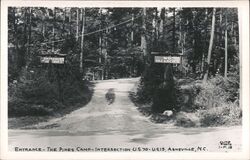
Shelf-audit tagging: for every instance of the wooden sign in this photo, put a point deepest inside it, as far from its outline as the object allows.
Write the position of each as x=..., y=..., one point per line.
x=167, y=59
x=54, y=60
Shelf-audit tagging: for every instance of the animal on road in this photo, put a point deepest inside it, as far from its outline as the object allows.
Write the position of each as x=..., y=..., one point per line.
x=110, y=96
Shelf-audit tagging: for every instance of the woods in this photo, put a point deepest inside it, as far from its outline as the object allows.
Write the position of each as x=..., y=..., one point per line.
x=111, y=43
x=181, y=30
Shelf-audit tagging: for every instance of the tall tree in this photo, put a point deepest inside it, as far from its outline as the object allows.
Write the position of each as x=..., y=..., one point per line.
x=206, y=35
x=64, y=18
x=70, y=17
x=226, y=53
x=77, y=24
x=132, y=31
x=174, y=30
x=144, y=37
x=53, y=29
x=29, y=37
x=82, y=40
x=210, y=46
x=100, y=42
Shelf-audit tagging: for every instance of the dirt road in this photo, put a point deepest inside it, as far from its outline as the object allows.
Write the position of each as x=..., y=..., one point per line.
x=118, y=124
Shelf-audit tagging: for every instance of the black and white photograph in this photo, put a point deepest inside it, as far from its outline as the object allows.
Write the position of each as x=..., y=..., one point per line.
x=98, y=79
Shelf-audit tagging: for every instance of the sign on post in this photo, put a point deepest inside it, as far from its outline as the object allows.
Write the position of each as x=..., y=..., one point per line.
x=167, y=59
x=54, y=60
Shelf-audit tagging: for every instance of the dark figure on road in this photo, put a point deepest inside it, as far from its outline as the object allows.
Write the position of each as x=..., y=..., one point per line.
x=110, y=96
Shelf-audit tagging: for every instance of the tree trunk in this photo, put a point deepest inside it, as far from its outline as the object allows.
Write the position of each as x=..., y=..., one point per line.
x=19, y=57
x=15, y=28
x=70, y=21
x=105, y=56
x=29, y=38
x=183, y=51
x=77, y=23
x=182, y=42
x=165, y=89
x=29, y=34
x=161, y=41
x=64, y=19
x=100, y=42
x=100, y=48
x=156, y=25
x=225, y=71
x=161, y=38
x=210, y=46
x=132, y=45
x=174, y=30
x=161, y=26
x=234, y=38
x=53, y=30
x=82, y=40
x=132, y=31
x=154, y=31
x=100, y=37
x=220, y=29
x=43, y=28
x=203, y=52
x=144, y=38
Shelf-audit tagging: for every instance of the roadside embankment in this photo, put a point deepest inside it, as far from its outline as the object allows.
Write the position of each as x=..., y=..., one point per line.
x=214, y=103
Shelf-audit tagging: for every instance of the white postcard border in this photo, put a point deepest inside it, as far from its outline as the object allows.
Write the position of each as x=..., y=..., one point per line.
x=244, y=53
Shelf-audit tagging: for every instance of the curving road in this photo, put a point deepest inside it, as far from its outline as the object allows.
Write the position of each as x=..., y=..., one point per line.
x=119, y=124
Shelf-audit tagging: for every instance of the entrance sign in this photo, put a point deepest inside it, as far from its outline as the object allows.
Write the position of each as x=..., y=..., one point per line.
x=167, y=59
x=55, y=60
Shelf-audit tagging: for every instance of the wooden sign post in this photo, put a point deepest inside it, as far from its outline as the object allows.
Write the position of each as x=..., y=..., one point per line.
x=165, y=97
x=58, y=60
x=167, y=59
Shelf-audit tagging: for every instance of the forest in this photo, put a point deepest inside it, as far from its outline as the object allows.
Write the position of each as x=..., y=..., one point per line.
x=112, y=43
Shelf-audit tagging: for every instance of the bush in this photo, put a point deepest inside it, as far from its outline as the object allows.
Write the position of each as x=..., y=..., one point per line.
x=34, y=94
x=164, y=99
x=186, y=94
x=226, y=114
x=214, y=103
x=154, y=89
x=217, y=91
x=212, y=117
x=184, y=119
x=31, y=95
x=218, y=101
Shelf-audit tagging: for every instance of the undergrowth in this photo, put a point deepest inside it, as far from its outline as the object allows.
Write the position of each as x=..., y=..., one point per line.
x=35, y=95
x=213, y=103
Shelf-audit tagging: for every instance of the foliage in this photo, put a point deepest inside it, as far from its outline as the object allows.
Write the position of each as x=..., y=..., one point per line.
x=31, y=96
x=34, y=94
x=185, y=119
x=215, y=102
x=226, y=114
x=117, y=43
x=185, y=30
x=187, y=91
x=217, y=91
